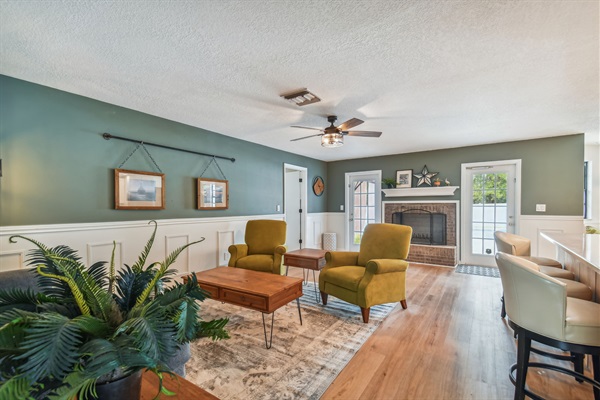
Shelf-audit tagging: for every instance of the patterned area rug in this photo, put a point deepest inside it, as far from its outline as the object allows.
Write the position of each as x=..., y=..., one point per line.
x=303, y=360
x=478, y=270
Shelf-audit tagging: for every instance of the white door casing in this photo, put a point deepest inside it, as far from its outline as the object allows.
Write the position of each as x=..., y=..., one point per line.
x=490, y=201
x=295, y=195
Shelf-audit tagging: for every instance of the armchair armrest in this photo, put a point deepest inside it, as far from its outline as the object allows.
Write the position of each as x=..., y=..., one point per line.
x=281, y=249
x=384, y=266
x=278, y=258
x=340, y=258
x=237, y=251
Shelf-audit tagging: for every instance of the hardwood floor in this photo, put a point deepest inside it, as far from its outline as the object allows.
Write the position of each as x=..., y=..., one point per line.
x=449, y=344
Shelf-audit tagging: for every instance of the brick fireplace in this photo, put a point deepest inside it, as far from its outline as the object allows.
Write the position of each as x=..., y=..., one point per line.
x=422, y=215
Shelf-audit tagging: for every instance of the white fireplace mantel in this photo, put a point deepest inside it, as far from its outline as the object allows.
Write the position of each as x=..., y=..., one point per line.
x=421, y=191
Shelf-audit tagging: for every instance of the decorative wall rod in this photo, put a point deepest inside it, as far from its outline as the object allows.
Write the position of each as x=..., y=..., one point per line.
x=108, y=136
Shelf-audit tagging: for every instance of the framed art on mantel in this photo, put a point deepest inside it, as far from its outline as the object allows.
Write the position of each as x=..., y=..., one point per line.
x=404, y=178
x=213, y=194
x=139, y=190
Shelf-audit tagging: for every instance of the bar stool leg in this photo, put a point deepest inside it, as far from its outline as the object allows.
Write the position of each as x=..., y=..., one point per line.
x=596, y=366
x=577, y=364
x=523, y=350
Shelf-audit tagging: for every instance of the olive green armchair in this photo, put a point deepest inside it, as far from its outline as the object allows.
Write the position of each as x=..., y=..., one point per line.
x=374, y=275
x=264, y=247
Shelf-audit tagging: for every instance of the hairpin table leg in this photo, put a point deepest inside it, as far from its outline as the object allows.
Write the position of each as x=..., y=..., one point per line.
x=315, y=287
x=299, y=312
x=270, y=342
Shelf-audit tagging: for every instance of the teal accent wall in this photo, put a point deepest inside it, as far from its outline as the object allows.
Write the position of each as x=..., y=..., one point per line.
x=552, y=171
x=57, y=168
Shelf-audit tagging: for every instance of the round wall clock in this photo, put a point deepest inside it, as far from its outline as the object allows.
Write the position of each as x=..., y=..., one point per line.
x=318, y=186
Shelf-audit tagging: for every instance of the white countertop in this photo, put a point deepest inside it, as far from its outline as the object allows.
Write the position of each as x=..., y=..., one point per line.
x=584, y=246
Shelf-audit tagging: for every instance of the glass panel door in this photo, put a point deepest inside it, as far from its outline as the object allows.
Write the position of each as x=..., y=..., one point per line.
x=489, y=207
x=489, y=210
x=364, y=205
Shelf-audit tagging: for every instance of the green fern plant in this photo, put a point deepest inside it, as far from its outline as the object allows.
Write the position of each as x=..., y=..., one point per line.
x=91, y=323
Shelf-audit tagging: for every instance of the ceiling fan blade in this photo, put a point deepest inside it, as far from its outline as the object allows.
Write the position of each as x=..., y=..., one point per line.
x=306, y=127
x=351, y=123
x=306, y=137
x=363, y=133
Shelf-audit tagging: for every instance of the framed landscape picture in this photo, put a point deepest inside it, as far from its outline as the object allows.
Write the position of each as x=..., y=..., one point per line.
x=404, y=178
x=139, y=190
x=213, y=194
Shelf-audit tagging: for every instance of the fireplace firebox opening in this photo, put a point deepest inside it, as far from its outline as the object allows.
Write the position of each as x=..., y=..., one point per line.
x=428, y=227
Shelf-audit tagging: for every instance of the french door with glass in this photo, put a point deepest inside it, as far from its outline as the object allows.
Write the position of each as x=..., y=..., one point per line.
x=489, y=204
x=363, y=204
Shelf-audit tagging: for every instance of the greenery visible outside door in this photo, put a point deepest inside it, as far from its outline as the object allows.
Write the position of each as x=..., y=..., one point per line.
x=490, y=210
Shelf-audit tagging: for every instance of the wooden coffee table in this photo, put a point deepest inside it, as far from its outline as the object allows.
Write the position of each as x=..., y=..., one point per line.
x=184, y=389
x=260, y=291
x=310, y=259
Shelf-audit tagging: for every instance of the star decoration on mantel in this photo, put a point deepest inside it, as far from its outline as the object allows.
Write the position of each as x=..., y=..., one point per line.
x=425, y=176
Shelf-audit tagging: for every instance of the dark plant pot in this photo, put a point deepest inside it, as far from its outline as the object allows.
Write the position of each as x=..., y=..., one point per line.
x=129, y=387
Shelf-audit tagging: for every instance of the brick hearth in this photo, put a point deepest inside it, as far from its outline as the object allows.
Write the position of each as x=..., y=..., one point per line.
x=439, y=255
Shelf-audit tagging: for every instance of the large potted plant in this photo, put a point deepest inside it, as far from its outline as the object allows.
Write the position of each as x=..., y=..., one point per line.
x=90, y=325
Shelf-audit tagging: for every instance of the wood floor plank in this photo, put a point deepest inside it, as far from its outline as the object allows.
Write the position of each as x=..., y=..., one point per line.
x=449, y=344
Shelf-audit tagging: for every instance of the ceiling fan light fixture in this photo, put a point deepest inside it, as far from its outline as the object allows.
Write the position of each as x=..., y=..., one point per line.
x=332, y=140
x=301, y=97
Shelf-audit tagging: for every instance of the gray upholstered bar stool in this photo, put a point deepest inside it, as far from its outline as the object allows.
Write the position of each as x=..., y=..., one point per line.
x=520, y=246
x=572, y=325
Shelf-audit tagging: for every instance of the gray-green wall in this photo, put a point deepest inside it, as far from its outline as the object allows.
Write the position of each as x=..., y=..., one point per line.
x=552, y=171
x=57, y=168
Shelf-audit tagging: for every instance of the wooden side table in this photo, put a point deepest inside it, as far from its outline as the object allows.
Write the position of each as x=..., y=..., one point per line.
x=309, y=259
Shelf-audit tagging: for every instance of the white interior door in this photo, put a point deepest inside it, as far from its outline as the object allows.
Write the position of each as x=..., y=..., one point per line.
x=295, y=205
x=363, y=204
x=490, y=194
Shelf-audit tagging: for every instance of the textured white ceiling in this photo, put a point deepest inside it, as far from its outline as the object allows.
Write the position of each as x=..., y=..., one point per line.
x=429, y=74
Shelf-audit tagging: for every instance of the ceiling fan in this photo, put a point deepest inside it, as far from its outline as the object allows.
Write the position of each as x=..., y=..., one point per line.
x=333, y=136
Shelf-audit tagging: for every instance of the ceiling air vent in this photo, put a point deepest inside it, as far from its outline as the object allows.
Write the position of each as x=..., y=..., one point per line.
x=301, y=97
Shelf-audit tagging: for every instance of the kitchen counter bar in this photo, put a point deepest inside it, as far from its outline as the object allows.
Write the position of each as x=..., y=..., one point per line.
x=580, y=253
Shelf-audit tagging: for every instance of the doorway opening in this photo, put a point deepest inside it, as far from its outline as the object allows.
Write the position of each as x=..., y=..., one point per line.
x=295, y=205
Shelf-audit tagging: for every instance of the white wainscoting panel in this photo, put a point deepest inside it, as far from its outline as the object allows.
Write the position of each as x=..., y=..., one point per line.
x=336, y=224
x=93, y=241
x=10, y=260
x=225, y=239
x=317, y=234
x=316, y=225
x=103, y=252
x=533, y=225
x=172, y=243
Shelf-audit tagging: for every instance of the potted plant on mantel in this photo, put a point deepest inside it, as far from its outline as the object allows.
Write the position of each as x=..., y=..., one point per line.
x=88, y=326
x=389, y=182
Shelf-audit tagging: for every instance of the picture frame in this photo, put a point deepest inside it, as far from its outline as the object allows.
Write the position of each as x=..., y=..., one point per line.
x=404, y=178
x=213, y=194
x=139, y=190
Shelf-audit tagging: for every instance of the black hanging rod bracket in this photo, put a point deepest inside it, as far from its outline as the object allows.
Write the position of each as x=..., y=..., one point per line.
x=108, y=136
